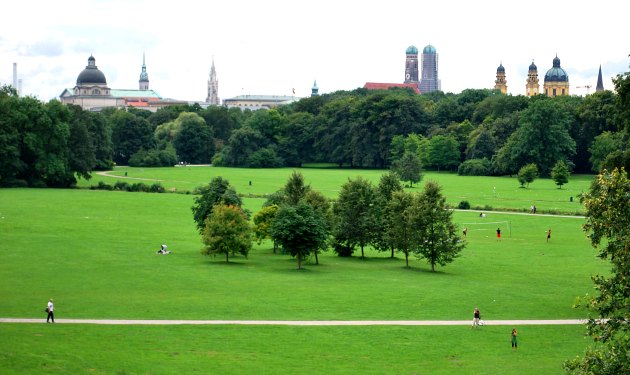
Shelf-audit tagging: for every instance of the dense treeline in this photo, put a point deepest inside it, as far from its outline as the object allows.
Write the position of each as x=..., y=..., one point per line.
x=478, y=131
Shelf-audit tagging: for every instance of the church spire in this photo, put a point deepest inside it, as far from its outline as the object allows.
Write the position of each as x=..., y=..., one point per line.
x=213, y=86
x=144, y=76
x=600, y=81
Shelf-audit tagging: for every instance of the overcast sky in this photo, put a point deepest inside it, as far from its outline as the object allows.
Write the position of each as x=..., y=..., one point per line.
x=269, y=47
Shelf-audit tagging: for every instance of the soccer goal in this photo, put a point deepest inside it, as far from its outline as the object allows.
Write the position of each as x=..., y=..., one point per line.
x=489, y=226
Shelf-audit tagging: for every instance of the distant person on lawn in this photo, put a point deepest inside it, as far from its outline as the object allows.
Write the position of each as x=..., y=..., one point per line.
x=50, y=309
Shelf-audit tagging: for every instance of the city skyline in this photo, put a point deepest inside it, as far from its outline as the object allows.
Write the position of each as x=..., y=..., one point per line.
x=272, y=48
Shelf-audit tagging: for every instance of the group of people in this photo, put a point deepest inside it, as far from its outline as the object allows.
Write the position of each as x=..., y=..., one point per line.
x=478, y=322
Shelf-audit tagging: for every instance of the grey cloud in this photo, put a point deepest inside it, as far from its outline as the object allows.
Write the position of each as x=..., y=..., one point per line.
x=47, y=48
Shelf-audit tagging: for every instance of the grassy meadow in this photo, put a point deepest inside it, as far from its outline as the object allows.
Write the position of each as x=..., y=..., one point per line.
x=94, y=253
x=496, y=192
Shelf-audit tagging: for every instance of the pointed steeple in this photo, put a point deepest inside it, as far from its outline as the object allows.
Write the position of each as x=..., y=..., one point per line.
x=314, y=89
x=144, y=76
x=213, y=86
x=600, y=81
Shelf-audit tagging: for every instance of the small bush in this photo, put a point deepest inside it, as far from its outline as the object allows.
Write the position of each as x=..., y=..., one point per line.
x=156, y=188
x=104, y=186
x=464, y=205
x=475, y=167
x=121, y=185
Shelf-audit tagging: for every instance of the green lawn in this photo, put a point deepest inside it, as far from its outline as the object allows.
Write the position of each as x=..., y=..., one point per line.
x=497, y=192
x=84, y=349
x=93, y=251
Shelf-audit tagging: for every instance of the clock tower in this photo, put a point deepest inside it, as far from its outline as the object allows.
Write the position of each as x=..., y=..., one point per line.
x=411, y=65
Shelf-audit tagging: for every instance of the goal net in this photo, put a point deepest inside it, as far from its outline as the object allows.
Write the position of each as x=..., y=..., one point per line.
x=489, y=226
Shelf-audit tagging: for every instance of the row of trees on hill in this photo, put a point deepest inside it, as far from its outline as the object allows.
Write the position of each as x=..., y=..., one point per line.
x=476, y=132
x=302, y=222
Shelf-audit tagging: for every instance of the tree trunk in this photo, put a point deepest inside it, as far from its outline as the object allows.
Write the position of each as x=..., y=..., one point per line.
x=316, y=259
x=275, y=247
x=432, y=266
x=407, y=259
x=392, y=252
x=362, y=255
x=299, y=262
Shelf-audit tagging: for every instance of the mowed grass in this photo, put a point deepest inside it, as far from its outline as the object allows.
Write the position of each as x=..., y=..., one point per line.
x=93, y=251
x=85, y=349
x=496, y=192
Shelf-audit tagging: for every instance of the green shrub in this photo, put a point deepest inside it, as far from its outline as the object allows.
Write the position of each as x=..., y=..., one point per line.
x=156, y=188
x=464, y=205
x=475, y=167
x=104, y=186
x=121, y=185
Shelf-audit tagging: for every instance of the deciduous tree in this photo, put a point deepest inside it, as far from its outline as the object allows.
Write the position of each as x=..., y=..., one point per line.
x=218, y=191
x=527, y=174
x=227, y=231
x=435, y=235
x=608, y=227
x=300, y=230
x=560, y=173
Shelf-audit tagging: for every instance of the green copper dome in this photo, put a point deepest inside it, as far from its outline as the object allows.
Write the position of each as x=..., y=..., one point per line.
x=556, y=73
x=412, y=50
x=429, y=49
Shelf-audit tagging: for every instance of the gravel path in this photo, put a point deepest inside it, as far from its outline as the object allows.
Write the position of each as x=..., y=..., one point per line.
x=300, y=322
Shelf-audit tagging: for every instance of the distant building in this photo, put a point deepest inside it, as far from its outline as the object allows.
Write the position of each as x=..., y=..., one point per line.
x=385, y=86
x=600, y=81
x=430, y=81
x=500, y=83
x=556, y=80
x=532, y=86
x=92, y=93
x=255, y=102
x=411, y=65
x=213, y=87
x=144, y=76
x=314, y=89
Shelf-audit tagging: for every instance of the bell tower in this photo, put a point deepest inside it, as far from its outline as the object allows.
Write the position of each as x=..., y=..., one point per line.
x=213, y=87
x=144, y=76
x=532, y=86
x=500, y=83
x=411, y=65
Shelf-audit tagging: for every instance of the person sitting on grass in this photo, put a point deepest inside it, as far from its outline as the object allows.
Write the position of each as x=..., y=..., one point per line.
x=163, y=250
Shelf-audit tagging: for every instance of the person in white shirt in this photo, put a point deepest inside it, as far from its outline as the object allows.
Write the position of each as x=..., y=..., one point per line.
x=51, y=309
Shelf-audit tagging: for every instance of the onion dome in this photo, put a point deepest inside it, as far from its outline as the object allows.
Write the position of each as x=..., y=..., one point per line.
x=556, y=73
x=429, y=49
x=412, y=50
x=91, y=74
x=532, y=66
x=501, y=69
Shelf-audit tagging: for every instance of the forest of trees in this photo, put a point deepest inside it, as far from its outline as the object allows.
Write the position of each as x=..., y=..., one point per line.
x=475, y=132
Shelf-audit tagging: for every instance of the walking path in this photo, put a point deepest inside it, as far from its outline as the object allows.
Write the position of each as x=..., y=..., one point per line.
x=301, y=322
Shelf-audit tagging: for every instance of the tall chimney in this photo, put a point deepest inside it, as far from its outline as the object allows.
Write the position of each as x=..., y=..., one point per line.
x=15, y=83
x=19, y=88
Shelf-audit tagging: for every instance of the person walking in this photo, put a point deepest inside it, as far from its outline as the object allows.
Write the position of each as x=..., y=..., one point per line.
x=50, y=309
x=548, y=234
x=514, y=342
x=465, y=231
x=498, y=234
x=476, y=317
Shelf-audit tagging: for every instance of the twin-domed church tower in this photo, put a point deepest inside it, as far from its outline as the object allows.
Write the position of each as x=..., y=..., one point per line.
x=429, y=81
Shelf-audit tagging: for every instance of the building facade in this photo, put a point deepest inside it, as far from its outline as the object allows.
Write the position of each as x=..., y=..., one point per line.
x=92, y=93
x=501, y=83
x=255, y=102
x=429, y=81
x=411, y=65
x=556, y=80
x=213, y=87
